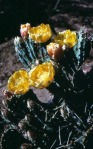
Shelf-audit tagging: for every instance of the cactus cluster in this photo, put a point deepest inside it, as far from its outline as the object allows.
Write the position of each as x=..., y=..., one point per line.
x=48, y=104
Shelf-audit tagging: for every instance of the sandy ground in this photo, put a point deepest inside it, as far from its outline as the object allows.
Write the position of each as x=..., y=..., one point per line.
x=8, y=63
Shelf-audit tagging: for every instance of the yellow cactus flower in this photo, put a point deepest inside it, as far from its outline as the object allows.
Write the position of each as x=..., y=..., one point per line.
x=59, y=38
x=67, y=38
x=55, y=51
x=18, y=83
x=42, y=75
x=41, y=33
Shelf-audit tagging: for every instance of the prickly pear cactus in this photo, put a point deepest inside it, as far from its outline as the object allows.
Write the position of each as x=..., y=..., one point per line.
x=49, y=103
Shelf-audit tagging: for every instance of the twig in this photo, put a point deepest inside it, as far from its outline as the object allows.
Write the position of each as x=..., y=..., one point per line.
x=60, y=136
x=53, y=144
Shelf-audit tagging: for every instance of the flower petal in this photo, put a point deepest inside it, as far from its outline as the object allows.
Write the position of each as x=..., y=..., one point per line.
x=41, y=33
x=18, y=83
x=42, y=75
x=66, y=37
